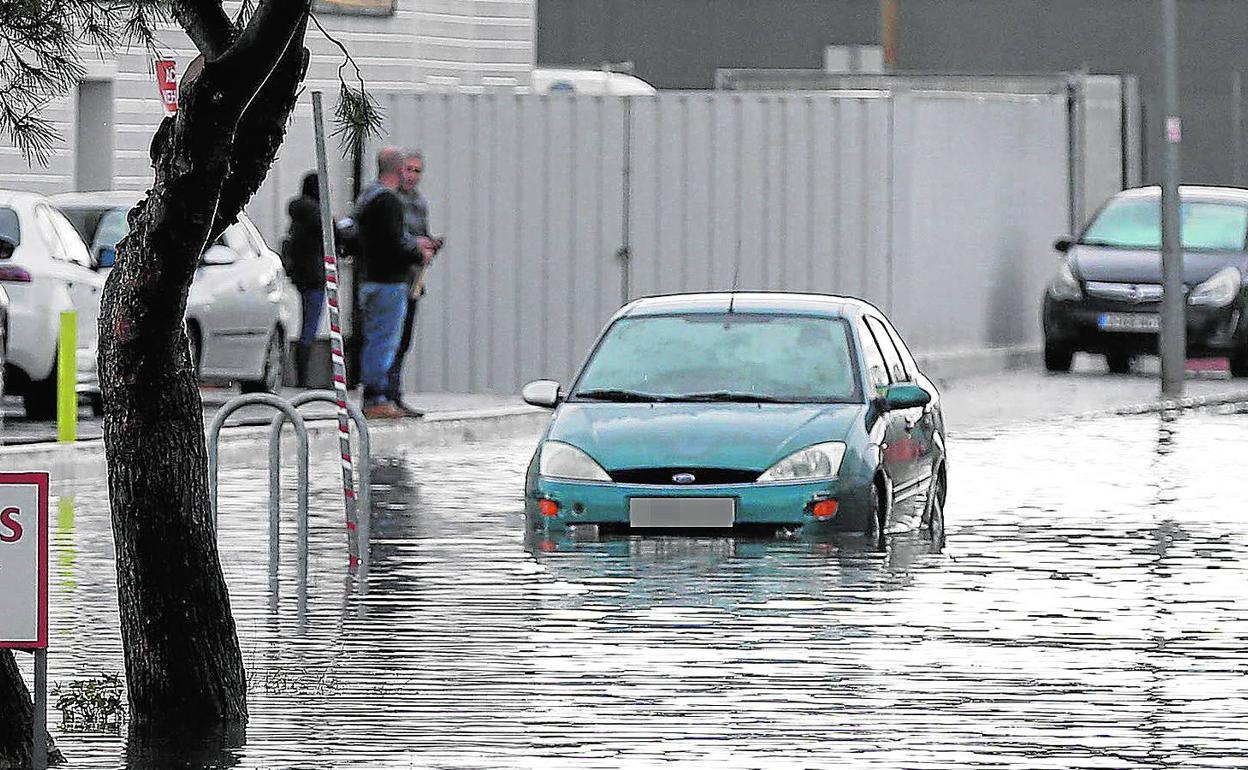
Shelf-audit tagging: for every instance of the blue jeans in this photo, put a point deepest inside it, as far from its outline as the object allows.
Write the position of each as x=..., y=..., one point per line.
x=382, y=307
x=313, y=301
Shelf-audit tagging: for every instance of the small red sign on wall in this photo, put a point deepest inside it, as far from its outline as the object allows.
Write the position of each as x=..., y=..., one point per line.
x=167, y=81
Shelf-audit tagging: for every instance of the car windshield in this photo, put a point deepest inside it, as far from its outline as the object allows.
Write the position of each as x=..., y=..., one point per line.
x=731, y=357
x=10, y=229
x=1135, y=223
x=112, y=228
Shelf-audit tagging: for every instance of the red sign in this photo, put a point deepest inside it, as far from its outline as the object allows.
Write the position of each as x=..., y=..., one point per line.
x=24, y=560
x=167, y=81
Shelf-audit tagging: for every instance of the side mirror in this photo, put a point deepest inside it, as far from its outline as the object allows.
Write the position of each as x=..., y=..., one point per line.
x=218, y=255
x=1062, y=245
x=105, y=256
x=7, y=247
x=544, y=393
x=906, y=397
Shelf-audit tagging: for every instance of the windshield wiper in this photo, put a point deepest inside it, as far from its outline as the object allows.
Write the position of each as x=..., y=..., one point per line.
x=1106, y=244
x=727, y=395
x=610, y=394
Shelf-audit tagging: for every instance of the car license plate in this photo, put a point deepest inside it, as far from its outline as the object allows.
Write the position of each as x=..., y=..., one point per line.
x=682, y=512
x=1129, y=322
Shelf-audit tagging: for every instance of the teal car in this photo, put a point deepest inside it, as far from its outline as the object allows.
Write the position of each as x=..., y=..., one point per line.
x=717, y=410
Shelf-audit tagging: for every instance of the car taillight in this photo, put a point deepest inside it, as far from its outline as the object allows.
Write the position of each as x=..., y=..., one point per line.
x=14, y=274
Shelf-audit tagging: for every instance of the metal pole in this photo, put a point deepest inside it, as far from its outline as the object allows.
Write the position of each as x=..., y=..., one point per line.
x=335, y=329
x=1237, y=128
x=67, y=379
x=1172, y=341
x=39, y=732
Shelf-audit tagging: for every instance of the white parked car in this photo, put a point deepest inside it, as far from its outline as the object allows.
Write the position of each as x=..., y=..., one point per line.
x=45, y=269
x=242, y=310
x=548, y=80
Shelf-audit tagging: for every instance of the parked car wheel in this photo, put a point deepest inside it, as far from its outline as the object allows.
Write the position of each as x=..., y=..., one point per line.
x=195, y=348
x=274, y=368
x=1057, y=358
x=39, y=399
x=97, y=405
x=1239, y=364
x=876, y=516
x=934, y=514
x=1119, y=363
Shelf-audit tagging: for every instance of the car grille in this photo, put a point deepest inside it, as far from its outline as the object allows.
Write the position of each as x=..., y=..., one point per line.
x=701, y=476
x=1130, y=293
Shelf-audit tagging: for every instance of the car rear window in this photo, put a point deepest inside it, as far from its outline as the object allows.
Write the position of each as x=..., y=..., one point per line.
x=10, y=228
x=800, y=359
x=1136, y=224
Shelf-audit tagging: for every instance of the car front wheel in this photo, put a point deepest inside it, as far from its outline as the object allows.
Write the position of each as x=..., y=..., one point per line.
x=1239, y=363
x=1057, y=358
x=274, y=368
x=1119, y=363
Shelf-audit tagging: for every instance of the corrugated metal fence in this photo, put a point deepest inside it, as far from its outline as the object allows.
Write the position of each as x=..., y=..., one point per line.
x=939, y=207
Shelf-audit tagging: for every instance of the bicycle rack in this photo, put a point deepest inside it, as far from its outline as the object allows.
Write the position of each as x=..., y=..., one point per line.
x=288, y=410
x=364, y=512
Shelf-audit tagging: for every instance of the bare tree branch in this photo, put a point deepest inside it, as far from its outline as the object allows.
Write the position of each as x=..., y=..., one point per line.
x=207, y=25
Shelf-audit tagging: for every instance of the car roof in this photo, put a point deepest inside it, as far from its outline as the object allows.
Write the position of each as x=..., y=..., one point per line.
x=19, y=198
x=1190, y=191
x=101, y=199
x=827, y=305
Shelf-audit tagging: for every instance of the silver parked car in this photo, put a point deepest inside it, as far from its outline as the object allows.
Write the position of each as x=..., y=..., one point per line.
x=242, y=310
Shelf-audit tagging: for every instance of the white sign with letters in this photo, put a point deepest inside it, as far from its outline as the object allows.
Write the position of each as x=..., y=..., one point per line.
x=24, y=560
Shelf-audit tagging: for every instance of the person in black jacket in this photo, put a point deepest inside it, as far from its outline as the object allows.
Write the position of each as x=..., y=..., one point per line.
x=387, y=254
x=302, y=254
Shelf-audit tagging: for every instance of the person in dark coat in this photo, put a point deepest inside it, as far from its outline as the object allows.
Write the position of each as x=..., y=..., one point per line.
x=303, y=256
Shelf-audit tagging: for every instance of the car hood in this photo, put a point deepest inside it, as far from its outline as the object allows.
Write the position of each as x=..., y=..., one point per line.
x=742, y=436
x=1096, y=263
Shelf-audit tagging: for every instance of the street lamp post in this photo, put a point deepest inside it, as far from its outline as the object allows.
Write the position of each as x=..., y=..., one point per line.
x=1173, y=335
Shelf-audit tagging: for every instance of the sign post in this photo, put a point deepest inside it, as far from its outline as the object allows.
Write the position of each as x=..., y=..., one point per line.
x=24, y=586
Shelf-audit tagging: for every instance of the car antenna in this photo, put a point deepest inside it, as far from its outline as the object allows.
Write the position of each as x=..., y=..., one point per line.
x=736, y=272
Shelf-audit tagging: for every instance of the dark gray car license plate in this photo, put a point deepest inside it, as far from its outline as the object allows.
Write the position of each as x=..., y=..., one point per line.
x=682, y=511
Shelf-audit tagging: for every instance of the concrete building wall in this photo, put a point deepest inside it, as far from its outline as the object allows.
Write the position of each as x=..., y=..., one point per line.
x=680, y=43
x=424, y=44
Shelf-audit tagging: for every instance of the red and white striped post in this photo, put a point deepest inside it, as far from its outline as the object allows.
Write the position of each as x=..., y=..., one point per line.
x=335, y=332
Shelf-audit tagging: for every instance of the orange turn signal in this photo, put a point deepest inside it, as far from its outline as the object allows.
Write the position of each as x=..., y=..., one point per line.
x=548, y=508
x=825, y=509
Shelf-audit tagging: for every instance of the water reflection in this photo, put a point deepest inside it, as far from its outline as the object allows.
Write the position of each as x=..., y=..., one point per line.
x=1088, y=610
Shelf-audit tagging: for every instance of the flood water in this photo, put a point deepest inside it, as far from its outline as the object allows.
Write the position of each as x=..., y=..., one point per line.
x=1088, y=611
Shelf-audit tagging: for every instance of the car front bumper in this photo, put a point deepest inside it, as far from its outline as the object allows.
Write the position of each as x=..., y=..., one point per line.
x=784, y=504
x=1076, y=325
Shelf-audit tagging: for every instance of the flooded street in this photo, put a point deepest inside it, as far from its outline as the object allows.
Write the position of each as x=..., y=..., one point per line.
x=1088, y=612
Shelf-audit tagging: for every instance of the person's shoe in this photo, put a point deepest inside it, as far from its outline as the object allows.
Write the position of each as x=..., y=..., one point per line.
x=383, y=410
x=407, y=408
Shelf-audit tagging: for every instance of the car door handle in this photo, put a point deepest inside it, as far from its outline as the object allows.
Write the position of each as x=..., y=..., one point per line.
x=242, y=286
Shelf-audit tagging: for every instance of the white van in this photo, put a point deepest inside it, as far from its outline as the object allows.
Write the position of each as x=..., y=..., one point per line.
x=553, y=80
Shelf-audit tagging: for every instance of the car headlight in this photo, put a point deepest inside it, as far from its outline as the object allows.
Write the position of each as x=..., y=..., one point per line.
x=564, y=461
x=821, y=461
x=1218, y=291
x=1064, y=285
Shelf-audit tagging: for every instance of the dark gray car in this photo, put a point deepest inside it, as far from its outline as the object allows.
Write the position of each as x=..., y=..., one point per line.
x=1106, y=295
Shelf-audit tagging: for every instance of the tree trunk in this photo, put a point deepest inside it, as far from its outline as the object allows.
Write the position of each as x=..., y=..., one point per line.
x=184, y=669
x=17, y=715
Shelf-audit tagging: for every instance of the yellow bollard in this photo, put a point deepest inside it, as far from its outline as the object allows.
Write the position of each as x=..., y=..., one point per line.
x=67, y=379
